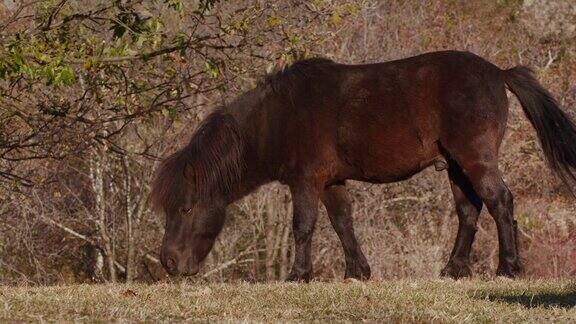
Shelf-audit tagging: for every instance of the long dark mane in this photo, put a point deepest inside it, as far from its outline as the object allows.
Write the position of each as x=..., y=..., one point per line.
x=213, y=161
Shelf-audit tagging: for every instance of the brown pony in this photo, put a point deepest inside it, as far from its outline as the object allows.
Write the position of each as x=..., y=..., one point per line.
x=318, y=123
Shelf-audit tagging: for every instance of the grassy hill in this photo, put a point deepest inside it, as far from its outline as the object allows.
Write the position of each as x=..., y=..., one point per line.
x=407, y=301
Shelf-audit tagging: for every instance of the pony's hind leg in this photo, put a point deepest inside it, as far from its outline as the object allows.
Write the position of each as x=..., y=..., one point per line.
x=488, y=183
x=468, y=207
x=473, y=122
x=339, y=207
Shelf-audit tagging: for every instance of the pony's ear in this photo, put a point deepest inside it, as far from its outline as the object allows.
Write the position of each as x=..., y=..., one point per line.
x=277, y=66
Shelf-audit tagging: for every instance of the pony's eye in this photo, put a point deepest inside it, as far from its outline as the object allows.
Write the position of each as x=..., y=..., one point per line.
x=184, y=210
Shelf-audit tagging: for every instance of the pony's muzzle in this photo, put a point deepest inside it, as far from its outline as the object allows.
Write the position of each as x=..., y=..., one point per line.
x=191, y=270
x=176, y=264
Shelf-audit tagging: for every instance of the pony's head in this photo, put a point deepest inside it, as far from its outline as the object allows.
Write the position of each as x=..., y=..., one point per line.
x=192, y=187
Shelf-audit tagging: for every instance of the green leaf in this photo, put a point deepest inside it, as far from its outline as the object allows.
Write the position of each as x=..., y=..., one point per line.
x=29, y=72
x=351, y=8
x=180, y=42
x=241, y=25
x=3, y=69
x=273, y=21
x=169, y=112
x=49, y=74
x=212, y=69
x=120, y=102
x=176, y=5
x=67, y=76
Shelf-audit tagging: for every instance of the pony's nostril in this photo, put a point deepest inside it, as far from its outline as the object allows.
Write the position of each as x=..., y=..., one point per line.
x=170, y=264
x=191, y=272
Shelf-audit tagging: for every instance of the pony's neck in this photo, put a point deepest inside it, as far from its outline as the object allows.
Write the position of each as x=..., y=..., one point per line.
x=247, y=111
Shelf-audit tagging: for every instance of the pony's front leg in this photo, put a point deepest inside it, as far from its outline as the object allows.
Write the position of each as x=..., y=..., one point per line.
x=339, y=207
x=305, y=200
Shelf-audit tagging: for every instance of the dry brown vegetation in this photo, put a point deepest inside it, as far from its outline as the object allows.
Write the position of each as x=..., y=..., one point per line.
x=75, y=210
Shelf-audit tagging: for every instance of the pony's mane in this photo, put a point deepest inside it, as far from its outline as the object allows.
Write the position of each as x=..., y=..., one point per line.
x=213, y=161
x=283, y=81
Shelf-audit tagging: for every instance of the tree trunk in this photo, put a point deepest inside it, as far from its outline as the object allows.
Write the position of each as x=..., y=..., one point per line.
x=131, y=253
x=98, y=265
x=97, y=177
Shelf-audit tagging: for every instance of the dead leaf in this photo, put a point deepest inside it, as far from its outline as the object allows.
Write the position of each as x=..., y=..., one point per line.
x=129, y=293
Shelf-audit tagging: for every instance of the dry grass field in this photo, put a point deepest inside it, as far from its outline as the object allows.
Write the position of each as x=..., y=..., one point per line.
x=497, y=300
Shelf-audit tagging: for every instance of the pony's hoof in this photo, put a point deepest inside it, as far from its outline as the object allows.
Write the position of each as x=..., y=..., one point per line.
x=358, y=271
x=295, y=276
x=456, y=271
x=509, y=270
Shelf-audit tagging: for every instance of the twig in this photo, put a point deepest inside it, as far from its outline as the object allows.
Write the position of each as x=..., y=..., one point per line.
x=229, y=263
x=14, y=16
x=68, y=230
x=72, y=232
x=551, y=59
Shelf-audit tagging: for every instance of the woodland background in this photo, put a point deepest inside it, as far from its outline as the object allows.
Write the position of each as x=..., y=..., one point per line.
x=94, y=93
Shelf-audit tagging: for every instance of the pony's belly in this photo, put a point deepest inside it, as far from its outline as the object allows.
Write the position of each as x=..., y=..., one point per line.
x=391, y=168
x=383, y=157
x=385, y=137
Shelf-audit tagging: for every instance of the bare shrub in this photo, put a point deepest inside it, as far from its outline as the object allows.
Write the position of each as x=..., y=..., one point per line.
x=89, y=221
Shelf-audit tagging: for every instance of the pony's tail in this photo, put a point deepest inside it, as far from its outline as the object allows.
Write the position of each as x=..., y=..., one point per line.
x=556, y=132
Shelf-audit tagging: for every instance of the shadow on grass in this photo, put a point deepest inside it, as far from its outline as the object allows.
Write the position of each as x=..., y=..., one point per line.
x=566, y=299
